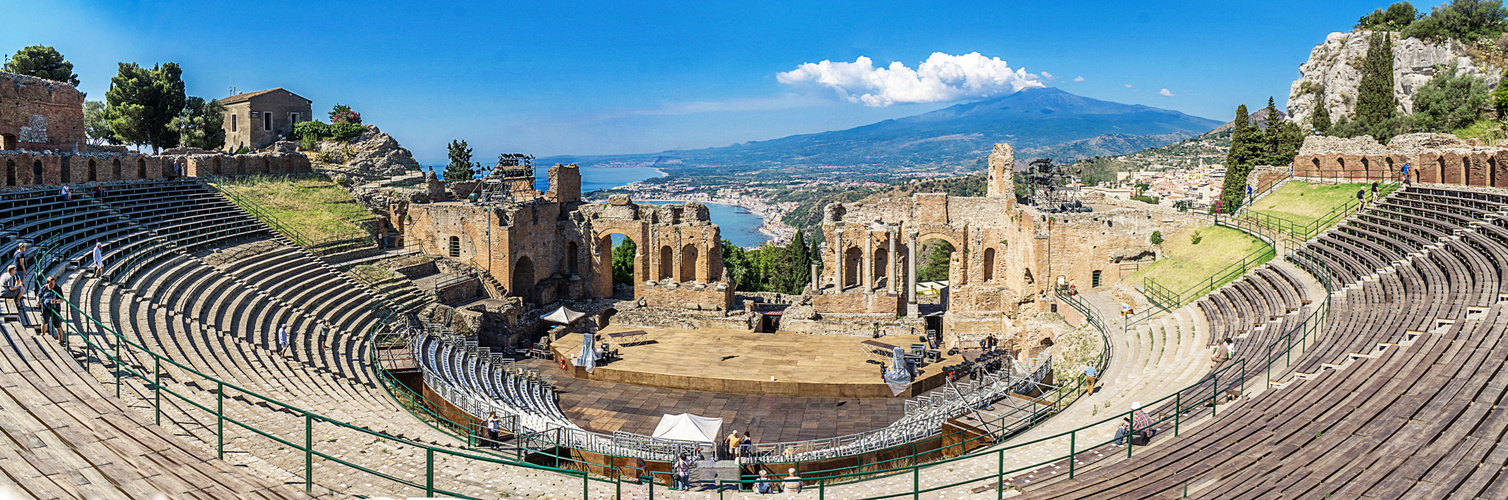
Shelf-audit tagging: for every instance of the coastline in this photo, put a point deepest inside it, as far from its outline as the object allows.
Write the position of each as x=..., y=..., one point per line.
x=765, y=220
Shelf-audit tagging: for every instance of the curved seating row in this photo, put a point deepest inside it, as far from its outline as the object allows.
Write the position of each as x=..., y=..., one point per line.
x=1396, y=398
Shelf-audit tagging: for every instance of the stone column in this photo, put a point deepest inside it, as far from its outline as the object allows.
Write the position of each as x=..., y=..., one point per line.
x=890, y=267
x=911, y=308
x=838, y=265
x=816, y=277
x=867, y=268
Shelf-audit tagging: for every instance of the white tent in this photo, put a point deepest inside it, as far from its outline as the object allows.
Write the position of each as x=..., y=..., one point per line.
x=688, y=427
x=563, y=316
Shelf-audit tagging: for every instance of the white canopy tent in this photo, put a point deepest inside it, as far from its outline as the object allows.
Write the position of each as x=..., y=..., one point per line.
x=563, y=316
x=688, y=427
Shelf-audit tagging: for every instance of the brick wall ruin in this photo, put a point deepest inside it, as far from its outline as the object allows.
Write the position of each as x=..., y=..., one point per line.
x=1432, y=158
x=1005, y=257
x=38, y=114
x=550, y=246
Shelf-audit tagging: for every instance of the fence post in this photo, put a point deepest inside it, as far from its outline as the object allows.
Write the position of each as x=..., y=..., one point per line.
x=1073, y=444
x=916, y=479
x=429, y=472
x=1131, y=431
x=1215, y=392
x=1177, y=412
x=1000, y=474
x=220, y=419
x=308, y=452
x=117, y=366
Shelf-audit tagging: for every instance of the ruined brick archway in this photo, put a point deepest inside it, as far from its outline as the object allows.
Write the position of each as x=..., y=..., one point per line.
x=523, y=278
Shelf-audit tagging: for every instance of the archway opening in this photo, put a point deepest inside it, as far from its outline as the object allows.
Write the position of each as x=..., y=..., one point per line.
x=141, y=168
x=10, y=173
x=523, y=278
x=93, y=170
x=115, y=170
x=571, y=249
x=688, y=263
x=881, y=264
x=65, y=171
x=667, y=263
x=619, y=261
x=934, y=274
x=852, y=259
x=989, y=264
x=8, y=142
x=36, y=172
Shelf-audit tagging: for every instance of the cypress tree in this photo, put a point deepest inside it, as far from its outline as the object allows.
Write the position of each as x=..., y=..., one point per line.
x=1321, y=118
x=1245, y=147
x=1375, y=102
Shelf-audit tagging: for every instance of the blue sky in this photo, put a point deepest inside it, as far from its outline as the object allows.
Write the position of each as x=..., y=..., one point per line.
x=589, y=77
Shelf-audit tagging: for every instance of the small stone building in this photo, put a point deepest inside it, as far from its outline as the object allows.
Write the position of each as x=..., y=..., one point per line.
x=38, y=114
x=257, y=119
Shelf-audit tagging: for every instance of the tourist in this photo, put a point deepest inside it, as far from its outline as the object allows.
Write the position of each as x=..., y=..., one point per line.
x=1126, y=309
x=746, y=446
x=99, y=191
x=1122, y=430
x=99, y=261
x=51, y=301
x=1219, y=356
x=1361, y=199
x=1405, y=174
x=1230, y=348
x=283, y=338
x=321, y=329
x=764, y=486
x=792, y=482
x=1090, y=378
x=732, y=444
x=642, y=471
x=1141, y=424
x=66, y=193
x=23, y=268
x=10, y=285
x=990, y=342
x=682, y=473
x=492, y=428
x=1374, y=191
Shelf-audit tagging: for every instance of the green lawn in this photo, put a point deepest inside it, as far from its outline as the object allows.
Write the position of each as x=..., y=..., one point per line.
x=1185, y=265
x=315, y=207
x=1303, y=203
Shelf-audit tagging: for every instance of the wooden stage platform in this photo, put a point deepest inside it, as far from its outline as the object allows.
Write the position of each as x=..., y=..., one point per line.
x=739, y=362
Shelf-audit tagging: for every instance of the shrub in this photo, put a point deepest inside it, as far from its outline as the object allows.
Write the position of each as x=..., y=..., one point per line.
x=345, y=131
x=243, y=150
x=314, y=131
x=1146, y=199
x=1449, y=101
x=1156, y=237
x=1466, y=20
x=1196, y=237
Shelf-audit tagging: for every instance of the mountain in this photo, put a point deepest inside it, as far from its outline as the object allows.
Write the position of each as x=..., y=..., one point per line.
x=1031, y=120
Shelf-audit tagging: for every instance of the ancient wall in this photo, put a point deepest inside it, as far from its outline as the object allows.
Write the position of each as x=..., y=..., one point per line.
x=38, y=114
x=552, y=247
x=1432, y=158
x=32, y=168
x=1005, y=258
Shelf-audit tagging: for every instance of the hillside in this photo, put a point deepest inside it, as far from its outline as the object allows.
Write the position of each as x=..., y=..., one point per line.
x=1046, y=121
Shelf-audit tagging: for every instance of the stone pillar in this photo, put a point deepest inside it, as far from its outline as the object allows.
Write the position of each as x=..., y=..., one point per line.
x=868, y=262
x=839, y=267
x=816, y=279
x=911, y=307
x=891, y=257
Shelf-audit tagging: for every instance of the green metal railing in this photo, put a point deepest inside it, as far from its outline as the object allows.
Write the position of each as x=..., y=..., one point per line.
x=317, y=245
x=1168, y=299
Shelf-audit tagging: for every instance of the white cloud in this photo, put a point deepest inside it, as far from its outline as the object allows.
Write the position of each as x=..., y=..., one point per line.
x=941, y=78
x=1128, y=85
x=1047, y=75
x=1078, y=79
x=1165, y=93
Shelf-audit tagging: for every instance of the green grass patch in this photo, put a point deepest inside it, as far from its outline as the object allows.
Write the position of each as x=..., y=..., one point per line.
x=1303, y=203
x=1185, y=265
x=315, y=207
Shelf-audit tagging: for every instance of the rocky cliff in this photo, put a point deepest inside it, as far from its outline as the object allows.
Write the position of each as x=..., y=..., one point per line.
x=372, y=154
x=1334, y=70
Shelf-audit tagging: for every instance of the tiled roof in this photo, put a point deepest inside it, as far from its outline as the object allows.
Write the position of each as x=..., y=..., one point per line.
x=243, y=97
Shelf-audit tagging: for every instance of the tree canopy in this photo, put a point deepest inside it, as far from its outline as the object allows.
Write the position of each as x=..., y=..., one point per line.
x=1449, y=101
x=1466, y=20
x=200, y=124
x=42, y=62
x=97, y=125
x=460, y=167
x=142, y=103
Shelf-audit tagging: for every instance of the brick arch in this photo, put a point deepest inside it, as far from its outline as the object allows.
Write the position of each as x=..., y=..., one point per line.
x=115, y=169
x=689, y=256
x=10, y=173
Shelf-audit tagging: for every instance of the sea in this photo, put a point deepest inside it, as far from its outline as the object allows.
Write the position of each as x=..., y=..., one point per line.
x=738, y=225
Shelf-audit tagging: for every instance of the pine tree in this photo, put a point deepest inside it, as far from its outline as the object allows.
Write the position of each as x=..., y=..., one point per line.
x=142, y=103
x=1321, y=119
x=460, y=167
x=1375, y=102
x=623, y=261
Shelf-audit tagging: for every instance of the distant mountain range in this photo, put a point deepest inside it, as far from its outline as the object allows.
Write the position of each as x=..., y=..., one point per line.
x=1039, y=122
